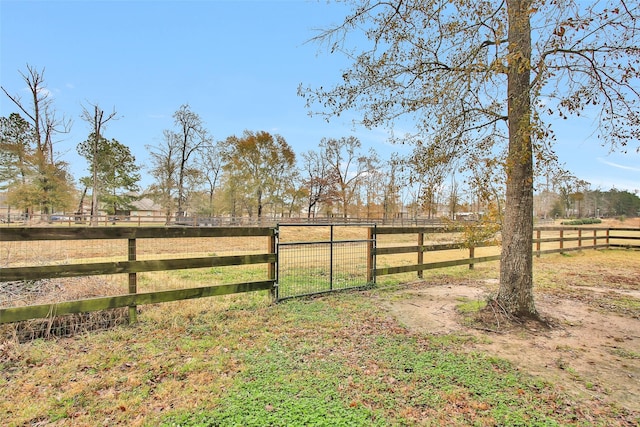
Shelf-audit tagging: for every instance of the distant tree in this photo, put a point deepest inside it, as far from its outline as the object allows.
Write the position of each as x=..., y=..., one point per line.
x=188, y=139
x=209, y=164
x=348, y=166
x=594, y=201
x=391, y=202
x=294, y=196
x=48, y=186
x=15, y=150
x=487, y=185
x=233, y=194
x=428, y=166
x=287, y=194
x=570, y=190
x=475, y=74
x=578, y=196
x=622, y=203
x=164, y=170
x=114, y=173
x=259, y=162
x=558, y=209
x=92, y=151
x=373, y=188
x=320, y=181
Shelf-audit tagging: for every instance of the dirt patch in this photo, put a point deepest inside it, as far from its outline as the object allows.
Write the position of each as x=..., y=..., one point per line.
x=587, y=352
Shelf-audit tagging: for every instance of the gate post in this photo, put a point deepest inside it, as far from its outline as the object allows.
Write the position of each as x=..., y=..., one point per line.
x=272, y=270
x=331, y=257
x=371, y=265
x=133, y=282
x=420, y=253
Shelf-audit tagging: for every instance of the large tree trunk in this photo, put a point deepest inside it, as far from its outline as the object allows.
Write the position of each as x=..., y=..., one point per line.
x=516, y=273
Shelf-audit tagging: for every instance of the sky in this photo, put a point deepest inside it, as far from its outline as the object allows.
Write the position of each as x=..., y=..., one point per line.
x=237, y=64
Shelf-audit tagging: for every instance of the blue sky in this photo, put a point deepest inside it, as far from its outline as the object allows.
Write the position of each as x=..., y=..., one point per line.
x=236, y=63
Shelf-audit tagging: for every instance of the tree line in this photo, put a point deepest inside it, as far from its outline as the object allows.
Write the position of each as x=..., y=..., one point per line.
x=258, y=174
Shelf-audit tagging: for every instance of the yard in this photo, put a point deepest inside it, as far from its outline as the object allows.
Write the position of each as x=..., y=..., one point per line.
x=423, y=353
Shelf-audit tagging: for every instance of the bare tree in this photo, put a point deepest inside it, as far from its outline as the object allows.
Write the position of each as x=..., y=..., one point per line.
x=320, y=181
x=428, y=166
x=50, y=185
x=96, y=119
x=209, y=163
x=191, y=135
x=348, y=166
x=164, y=169
x=475, y=74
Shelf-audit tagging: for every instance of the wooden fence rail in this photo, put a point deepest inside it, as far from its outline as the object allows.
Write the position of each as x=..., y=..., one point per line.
x=600, y=238
x=546, y=240
x=132, y=267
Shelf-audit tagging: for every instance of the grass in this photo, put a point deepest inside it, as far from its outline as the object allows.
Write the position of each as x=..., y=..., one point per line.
x=580, y=279
x=238, y=360
x=624, y=353
x=332, y=360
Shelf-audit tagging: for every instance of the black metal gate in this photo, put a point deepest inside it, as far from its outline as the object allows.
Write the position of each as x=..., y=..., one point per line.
x=317, y=263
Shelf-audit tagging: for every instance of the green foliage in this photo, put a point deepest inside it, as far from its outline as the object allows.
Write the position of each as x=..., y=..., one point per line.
x=468, y=306
x=583, y=221
x=31, y=179
x=260, y=169
x=335, y=362
x=15, y=153
x=117, y=174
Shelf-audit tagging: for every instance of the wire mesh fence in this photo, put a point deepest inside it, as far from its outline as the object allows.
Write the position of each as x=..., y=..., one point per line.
x=309, y=268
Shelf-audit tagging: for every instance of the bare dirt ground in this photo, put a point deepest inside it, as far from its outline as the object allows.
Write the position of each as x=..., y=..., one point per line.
x=587, y=352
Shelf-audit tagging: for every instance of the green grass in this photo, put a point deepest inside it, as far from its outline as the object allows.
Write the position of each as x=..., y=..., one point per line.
x=624, y=353
x=469, y=306
x=329, y=361
x=335, y=360
x=345, y=364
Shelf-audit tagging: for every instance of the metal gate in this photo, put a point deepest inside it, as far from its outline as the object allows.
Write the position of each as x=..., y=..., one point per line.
x=320, y=260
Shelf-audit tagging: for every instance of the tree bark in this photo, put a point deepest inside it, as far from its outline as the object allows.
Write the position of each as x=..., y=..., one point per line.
x=516, y=273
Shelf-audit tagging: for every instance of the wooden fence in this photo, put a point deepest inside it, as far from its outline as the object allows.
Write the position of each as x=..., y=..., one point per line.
x=547, y=240
x=132, y=266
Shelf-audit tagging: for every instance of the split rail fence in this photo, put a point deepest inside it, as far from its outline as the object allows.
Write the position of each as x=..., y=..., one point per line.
x=346, y=262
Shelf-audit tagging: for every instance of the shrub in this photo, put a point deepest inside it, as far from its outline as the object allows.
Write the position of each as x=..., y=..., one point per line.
x=582, y=221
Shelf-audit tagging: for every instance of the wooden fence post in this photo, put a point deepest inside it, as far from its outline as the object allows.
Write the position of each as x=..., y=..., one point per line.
x=133, y=282
x=472, y=251
x=420, y=253
x=561, y=241
x=580, y=238
x=607, y=238
x=595, y=238
x=538, y=243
